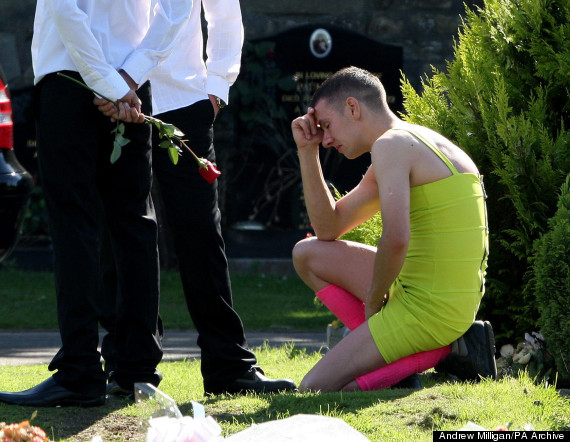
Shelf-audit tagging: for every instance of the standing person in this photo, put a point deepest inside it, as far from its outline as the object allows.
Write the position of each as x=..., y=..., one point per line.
x=112, y=47
x=189, y=92
x=409, y=298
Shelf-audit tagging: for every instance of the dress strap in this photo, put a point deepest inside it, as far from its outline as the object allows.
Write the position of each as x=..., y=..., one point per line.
x=433, y=148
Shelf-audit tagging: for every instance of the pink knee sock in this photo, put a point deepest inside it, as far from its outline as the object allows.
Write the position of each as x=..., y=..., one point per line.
x=350, y=310
x=344, y=305
x=402, y=368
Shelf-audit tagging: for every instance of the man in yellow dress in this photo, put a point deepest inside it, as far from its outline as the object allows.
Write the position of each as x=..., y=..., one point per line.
x=408, y=299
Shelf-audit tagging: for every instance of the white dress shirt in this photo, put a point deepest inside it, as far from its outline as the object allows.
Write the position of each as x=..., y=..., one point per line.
x=185, y=78
x=98, y=37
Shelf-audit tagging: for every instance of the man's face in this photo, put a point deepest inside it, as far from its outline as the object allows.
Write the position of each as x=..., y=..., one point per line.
x=337, y=126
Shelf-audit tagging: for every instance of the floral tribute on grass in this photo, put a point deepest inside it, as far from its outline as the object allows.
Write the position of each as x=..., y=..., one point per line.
x=171, y=136
x=530, y=355
x=22, y=432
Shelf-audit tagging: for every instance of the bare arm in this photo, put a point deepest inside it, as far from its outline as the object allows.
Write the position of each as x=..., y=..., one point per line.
x=318, y=200
x=330, y=219
x=392, y=165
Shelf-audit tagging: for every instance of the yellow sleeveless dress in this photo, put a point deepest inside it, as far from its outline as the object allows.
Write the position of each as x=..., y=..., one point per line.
x=436, y=296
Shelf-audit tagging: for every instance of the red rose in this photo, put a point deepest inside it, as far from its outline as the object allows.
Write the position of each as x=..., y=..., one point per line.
x=208, y=171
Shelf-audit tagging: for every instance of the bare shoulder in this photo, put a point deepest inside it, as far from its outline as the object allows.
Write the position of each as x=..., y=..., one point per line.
x=458, y=157
x=398, y=140
x=394, y=149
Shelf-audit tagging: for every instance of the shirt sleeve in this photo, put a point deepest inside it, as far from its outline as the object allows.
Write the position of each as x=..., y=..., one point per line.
x=73, y=27
x=223, y=48
x=169, y=16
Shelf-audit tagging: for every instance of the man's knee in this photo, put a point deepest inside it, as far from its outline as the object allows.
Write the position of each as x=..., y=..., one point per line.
x=310, y=384
x=302, y=252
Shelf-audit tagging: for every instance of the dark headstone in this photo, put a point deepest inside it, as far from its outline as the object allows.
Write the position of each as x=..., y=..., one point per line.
x=312, y=54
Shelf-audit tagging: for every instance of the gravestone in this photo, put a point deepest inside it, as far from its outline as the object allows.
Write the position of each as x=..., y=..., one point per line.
x=278, y=78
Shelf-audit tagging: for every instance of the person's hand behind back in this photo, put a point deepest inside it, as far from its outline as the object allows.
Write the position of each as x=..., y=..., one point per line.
x=127, y=108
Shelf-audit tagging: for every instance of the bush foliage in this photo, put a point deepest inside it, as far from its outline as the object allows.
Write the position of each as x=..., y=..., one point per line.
x=551, y=283
x=504, y=99
x=369, y=232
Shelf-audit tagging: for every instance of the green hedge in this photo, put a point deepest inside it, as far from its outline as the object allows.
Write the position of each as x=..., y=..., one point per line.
x=504, y=98
x=551, y=283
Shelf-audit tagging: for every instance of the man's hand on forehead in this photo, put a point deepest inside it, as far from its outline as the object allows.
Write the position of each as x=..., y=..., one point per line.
x=306, y=129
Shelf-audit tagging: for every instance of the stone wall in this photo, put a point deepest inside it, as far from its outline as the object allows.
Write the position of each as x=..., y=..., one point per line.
x=16, y=27
x=424, y=28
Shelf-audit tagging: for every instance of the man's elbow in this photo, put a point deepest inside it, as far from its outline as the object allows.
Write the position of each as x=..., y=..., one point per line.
x=326, y=234
x=397, y=243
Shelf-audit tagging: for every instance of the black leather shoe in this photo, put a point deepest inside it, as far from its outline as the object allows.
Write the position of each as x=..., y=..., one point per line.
x=51, y=394
x=113, y=388
x=252, y=381
x=473, y=355
x=412, y=382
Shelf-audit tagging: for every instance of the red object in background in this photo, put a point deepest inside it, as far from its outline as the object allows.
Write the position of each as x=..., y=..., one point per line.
x=15, y=182
x=6, y=123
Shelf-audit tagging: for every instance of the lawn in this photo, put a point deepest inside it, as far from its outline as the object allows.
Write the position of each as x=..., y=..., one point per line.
x=262, y=301
x=265, y=302
x=400, y=415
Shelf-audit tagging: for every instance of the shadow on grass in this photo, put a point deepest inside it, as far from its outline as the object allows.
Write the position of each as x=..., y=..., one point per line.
x=283, y=405
x=74, y=423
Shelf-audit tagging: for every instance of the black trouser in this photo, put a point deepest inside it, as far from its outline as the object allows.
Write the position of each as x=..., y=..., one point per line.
x=74, y=148
x=191, y=206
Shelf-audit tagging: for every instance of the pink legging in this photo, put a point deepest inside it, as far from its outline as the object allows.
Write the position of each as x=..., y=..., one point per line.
x=350, y=310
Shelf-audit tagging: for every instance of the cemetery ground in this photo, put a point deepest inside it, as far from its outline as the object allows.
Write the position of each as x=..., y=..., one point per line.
x=269, y=302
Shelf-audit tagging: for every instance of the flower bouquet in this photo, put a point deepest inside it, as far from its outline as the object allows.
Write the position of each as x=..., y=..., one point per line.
x=21, y=432
x=530, y=355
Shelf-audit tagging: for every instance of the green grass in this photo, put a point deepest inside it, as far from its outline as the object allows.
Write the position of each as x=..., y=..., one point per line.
x=265, y=302
x=262, y=301
x=400, y=415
